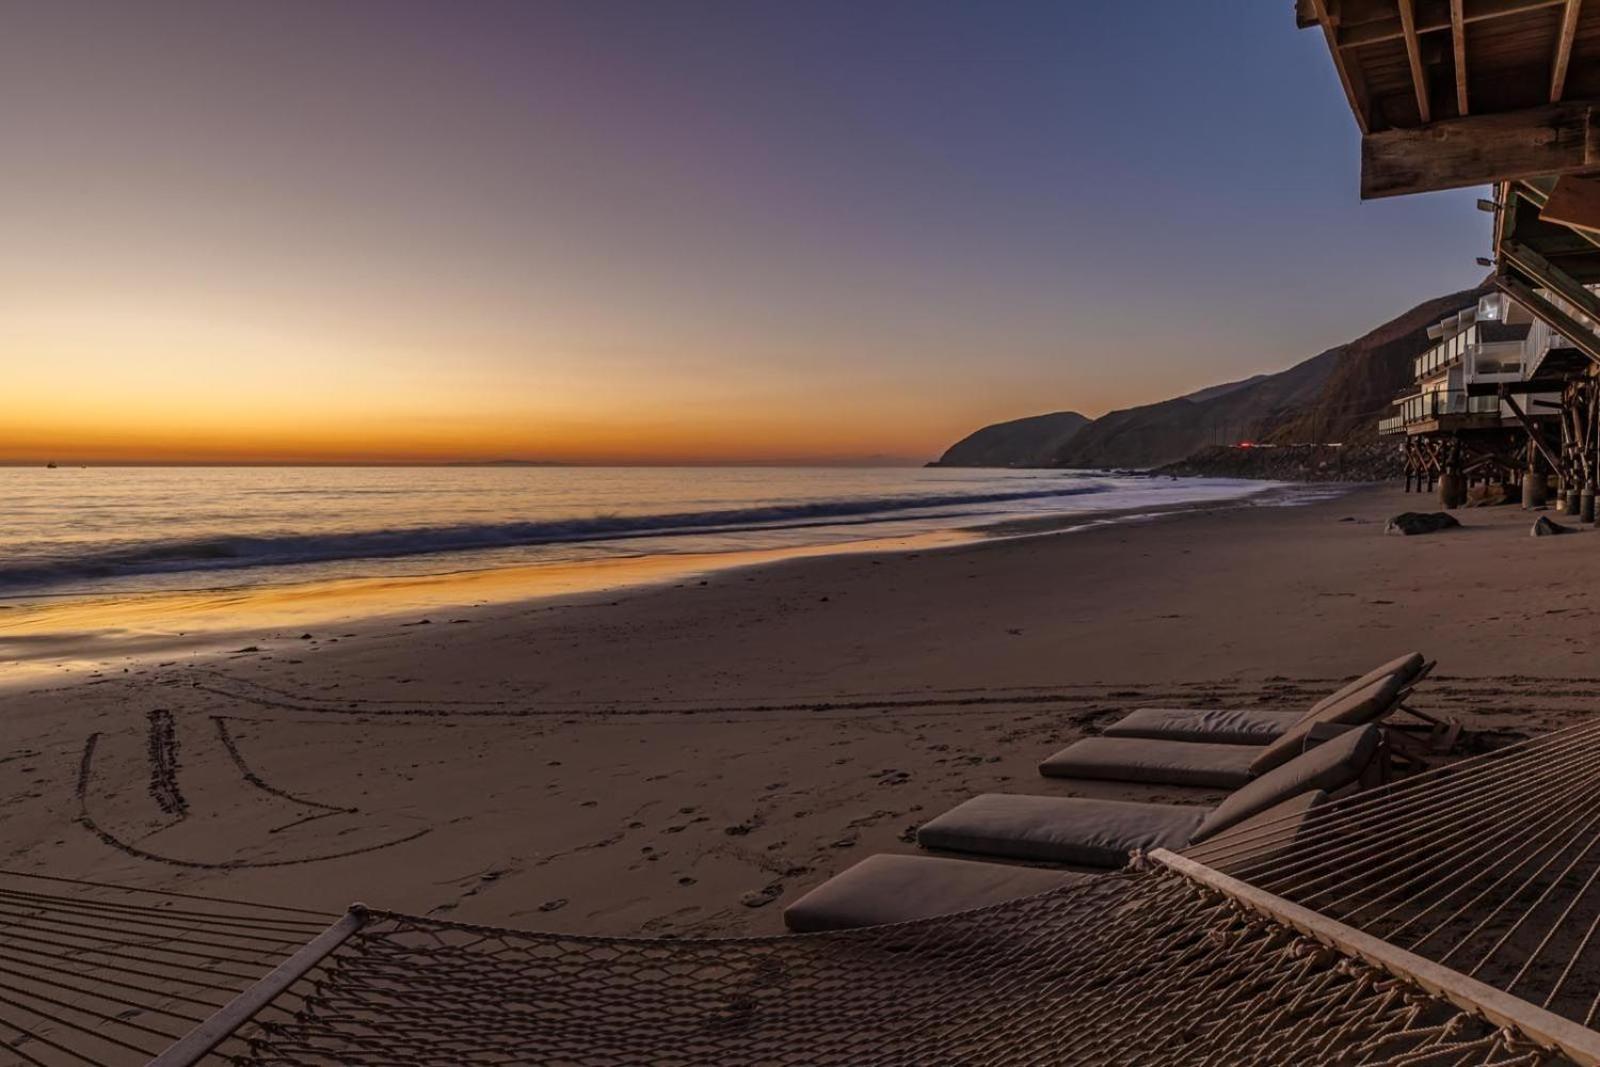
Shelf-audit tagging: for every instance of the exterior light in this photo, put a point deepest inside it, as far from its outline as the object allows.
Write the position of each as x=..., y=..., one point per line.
x=1488, y=205
x=1484, y=261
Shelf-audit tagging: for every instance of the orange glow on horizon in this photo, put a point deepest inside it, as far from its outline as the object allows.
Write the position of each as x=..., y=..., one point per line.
x=131, y=382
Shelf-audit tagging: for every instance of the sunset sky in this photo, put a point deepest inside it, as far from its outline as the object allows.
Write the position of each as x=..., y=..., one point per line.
x=667, y=230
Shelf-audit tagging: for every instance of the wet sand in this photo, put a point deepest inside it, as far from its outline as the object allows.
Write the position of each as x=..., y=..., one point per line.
x=690, y=756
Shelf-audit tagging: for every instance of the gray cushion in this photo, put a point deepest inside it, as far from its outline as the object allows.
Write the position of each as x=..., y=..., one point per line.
x=1329, y=766
x=1218, y=726
x=1250, y=726
x=1371, y=702
x=893, y=889
x=1265, y=837
x=1078, y=830
x=1404, y=668
x=1137, y=759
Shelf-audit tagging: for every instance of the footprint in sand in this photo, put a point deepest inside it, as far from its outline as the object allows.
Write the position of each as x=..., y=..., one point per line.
x=760, y=898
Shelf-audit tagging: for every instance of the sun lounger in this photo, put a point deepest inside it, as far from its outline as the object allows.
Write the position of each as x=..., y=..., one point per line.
x=1072, y=830
x=891, y=889
x=1134, y=759
x=1089, y=832
x=1162, y=762
x=1254, y=726
x=1077, y=830
x=1219, y=726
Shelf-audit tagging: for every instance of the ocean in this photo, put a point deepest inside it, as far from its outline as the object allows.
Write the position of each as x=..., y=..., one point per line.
x=110, y=530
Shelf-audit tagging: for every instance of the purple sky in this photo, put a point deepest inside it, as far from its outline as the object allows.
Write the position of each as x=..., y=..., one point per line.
x=669, y=229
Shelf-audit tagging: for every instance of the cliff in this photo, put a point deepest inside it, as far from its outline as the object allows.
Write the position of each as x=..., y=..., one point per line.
x=1337, y=395
x=1030, y=442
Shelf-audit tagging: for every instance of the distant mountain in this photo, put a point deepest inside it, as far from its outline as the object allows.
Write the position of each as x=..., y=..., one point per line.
x=1030, y=442
x=1211, y=392
x=1337, y=395
x=1154, y=434
x=1370, y=372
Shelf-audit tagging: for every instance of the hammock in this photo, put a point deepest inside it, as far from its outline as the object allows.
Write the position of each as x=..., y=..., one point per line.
x=1448, y=919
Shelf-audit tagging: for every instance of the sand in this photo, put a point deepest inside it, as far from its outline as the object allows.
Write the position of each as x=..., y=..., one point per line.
x=688, y=757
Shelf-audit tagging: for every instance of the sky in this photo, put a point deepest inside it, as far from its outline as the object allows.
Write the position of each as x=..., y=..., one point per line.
x=667, y=230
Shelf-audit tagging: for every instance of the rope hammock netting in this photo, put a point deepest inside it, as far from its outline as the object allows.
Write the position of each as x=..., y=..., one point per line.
x=1490, y=867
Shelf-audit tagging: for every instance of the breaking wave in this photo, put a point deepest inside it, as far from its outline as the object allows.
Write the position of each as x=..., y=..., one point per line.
x=230, y=551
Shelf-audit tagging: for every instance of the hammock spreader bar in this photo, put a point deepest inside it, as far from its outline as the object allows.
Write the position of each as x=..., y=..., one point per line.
x=1578, y=1043
x=199, y=1042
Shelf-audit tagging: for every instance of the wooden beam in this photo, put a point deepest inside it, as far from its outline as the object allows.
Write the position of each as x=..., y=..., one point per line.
x=1575, y=203
x=1546, y=274
x=1535, y=438
x=1458, y=41
x=1355, y=89
x=1569, y=29
x=1573, y=330
x=1545, y=1028
x=1379, y=31
x=1419, y=76
x=1480, y=150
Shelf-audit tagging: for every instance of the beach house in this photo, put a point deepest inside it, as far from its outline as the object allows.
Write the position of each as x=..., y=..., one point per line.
x=1485, y=403
x=1455, y=95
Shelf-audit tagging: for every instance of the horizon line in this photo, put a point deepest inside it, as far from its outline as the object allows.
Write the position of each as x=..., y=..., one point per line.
x=883, y=461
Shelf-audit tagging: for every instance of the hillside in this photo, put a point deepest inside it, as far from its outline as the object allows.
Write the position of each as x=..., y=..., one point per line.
x=1030, y=442
x=1154, y=434
x=1337, y=395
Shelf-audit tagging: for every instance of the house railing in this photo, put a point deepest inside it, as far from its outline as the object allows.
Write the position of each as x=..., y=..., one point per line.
x=1425, y=407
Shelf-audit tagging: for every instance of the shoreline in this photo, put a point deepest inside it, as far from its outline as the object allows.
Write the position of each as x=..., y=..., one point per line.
x=689, y=760
x=86, y=634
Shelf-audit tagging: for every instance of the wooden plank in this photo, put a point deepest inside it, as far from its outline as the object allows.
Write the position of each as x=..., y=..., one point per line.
x=1545, y=1028
x=1379, y=31
x=1458, y=43
x=1535, y=438
x=1349, y=74
x=199, y=1042
x=1419, y=76
x=1575, y=202
x=1479, y=150
x=1569, y=29
x=1581, y=337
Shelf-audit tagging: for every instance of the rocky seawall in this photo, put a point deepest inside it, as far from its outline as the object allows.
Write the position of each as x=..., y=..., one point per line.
x=1375, y=461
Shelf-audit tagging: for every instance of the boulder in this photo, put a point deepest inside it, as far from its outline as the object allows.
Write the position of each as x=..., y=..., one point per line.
x=1545, y=527
x=1411, y=523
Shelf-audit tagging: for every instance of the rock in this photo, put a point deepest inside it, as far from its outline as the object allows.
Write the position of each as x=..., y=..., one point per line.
x=1545, y=527
x=1490, y=495
x=1411, y=523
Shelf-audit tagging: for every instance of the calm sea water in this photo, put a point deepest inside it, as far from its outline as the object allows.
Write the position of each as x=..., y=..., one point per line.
x=109, y=530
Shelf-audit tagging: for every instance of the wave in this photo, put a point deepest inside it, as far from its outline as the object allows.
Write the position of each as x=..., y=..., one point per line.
x=232, y=551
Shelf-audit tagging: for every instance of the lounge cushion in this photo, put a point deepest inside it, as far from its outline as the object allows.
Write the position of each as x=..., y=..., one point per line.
x=1364, y=705
x=1137, y=759
x=1265, y=837
x=1329, y=766
x=1250, y=726
x=1077, y=830
x=1218, y=726
x=892, y=889
x=1404, y=668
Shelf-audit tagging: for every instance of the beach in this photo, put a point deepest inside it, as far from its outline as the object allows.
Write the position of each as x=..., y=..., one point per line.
x=689, y=756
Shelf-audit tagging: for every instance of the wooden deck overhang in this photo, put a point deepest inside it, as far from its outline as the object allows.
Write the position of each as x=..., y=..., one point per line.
x=1452, y=93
